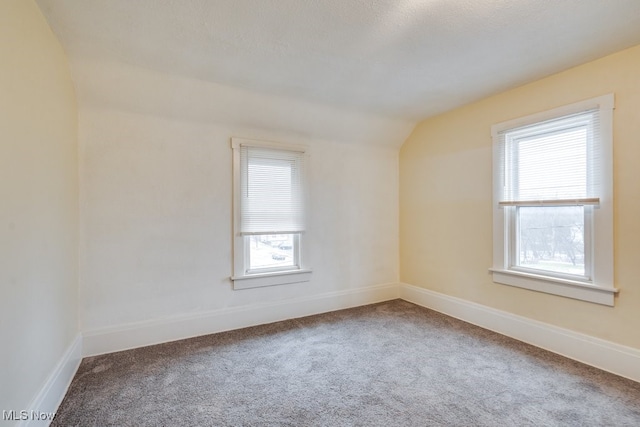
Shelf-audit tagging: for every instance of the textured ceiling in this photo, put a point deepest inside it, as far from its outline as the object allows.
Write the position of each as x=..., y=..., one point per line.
x=403, y=58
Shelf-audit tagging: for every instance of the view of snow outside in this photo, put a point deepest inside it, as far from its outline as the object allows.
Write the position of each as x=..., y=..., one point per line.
x=552, y=167
x=552, y=238
x=271, y=251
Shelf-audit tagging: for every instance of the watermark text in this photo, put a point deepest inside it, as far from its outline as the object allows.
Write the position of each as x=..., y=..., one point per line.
x=24, y=415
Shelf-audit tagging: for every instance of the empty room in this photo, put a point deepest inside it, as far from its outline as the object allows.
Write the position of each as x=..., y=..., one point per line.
x=320, y=213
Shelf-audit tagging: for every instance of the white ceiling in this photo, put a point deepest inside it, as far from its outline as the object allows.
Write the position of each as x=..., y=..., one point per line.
x=403, y=58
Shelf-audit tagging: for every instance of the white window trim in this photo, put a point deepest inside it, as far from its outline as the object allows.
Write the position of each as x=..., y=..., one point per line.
x=600, y=289
x=240, y=278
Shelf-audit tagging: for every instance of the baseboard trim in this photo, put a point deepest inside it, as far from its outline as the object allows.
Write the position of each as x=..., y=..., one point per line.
x=55, y=387
x=608, y=356
x=140, y=334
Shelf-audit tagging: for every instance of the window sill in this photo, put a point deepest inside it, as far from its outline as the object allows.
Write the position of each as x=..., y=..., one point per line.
x=556, y=286
x=270, y=279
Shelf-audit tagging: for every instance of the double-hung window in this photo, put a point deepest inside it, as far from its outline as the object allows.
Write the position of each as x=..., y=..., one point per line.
x=269, y=214
x=553, y=220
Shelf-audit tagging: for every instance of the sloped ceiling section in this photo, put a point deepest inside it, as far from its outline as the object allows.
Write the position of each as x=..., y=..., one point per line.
x=404, y=59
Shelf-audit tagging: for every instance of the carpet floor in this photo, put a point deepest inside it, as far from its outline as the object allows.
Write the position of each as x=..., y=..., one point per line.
x=387, y=364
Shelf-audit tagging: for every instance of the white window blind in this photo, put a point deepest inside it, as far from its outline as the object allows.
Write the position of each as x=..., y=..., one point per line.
x=272, y=198
x=551, y=163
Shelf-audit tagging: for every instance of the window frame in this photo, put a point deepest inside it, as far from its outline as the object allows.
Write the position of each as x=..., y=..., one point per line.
x=597, y=286
x=243, y=276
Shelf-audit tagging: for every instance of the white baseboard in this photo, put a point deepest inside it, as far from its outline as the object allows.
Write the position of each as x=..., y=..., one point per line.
x=55, y=387
x=141, y=334
x=602, y=354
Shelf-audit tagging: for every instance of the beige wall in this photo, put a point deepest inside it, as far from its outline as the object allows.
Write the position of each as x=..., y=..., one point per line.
x=445, y=200
x=38, y=203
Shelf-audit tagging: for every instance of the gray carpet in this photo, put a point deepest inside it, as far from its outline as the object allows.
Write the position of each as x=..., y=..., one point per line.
x=389, y=364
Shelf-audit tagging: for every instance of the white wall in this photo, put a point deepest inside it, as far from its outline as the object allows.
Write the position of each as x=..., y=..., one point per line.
x=38, y=204
x=156, y=201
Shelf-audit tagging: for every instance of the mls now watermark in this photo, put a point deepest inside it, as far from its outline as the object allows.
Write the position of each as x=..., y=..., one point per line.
x=25, y=415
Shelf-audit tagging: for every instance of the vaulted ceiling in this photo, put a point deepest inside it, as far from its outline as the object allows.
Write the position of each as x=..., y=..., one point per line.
x=406, y=59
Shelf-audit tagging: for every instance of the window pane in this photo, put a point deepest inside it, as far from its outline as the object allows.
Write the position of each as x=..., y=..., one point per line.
x=271, y=251
x=551, y=238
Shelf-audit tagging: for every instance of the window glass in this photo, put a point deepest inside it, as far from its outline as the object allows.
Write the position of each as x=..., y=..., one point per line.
x=271, y=251
x=551, y=238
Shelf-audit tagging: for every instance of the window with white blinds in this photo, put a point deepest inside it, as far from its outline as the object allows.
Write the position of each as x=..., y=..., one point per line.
x=553, y=163
x=269, y=192
x=272, y=198
x=553, y=220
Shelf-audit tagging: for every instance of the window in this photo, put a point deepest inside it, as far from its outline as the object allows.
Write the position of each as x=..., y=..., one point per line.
x=553, y=208
x=269, y=214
